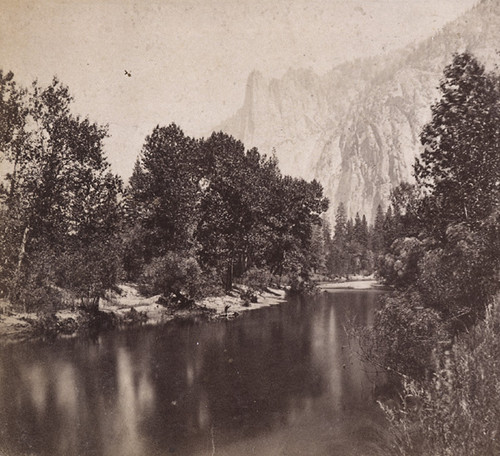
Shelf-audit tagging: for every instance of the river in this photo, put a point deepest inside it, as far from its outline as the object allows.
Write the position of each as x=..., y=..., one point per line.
x=275, y=381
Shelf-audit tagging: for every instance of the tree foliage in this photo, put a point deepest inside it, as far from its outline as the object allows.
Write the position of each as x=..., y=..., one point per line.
x=58, y=199
x=353, y=248
x=460, y=164
x=193, y=210
x=442, y=235
x=228, y=207
x=449, y=213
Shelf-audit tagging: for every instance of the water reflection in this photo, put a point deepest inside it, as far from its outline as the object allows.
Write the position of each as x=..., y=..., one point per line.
x=275, y=381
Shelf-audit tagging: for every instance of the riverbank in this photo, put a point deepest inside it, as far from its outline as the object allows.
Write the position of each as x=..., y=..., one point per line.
x=362, y=283
x=128, y=306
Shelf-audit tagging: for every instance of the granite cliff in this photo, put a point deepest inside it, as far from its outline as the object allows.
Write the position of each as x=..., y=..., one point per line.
x=356, y=129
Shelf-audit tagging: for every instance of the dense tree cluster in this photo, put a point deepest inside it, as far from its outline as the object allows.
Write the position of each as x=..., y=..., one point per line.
x=459, y=168
x=59, y=201
x=355, y=246
x=444, y=239
x=221, y=207
x=196, y=214
x=349, y=251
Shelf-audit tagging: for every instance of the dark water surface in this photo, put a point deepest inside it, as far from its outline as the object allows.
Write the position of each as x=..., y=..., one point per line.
x=275, y=381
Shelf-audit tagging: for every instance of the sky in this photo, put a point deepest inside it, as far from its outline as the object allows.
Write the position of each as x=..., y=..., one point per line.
x=189, y=60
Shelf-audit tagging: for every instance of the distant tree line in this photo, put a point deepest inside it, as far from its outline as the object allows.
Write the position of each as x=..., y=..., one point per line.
x=349, y=250
x=196, y=214
x=355, y=247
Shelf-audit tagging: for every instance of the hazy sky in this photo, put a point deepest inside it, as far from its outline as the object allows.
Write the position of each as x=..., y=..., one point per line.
x=189, y=59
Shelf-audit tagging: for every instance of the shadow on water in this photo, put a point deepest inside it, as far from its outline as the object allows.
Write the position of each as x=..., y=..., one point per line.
x=275, y=381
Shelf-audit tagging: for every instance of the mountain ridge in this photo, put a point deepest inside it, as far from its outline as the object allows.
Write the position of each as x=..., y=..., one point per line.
x=356, y=128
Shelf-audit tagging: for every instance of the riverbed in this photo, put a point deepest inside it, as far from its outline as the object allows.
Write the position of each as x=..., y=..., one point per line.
x=282, y=380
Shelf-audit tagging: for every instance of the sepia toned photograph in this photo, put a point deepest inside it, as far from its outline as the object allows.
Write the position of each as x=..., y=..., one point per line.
x=249, y=227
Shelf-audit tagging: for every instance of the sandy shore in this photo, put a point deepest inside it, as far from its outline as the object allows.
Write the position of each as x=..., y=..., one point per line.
x=363, y=284
x=18, y=326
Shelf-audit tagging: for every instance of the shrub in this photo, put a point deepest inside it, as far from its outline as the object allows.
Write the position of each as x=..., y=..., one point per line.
x=178, y=275
x=33, y=290
x=458, y=278
x=248, y=296
x=301, y=285
x=34, y=298
x=94, y=320
x=51, y=280
x=404, y=336
x=209, y=283
x=457, y=411
x=258, y=279
x=88, y=270
x=399, y=267
x=48, y=324
x=132, y=317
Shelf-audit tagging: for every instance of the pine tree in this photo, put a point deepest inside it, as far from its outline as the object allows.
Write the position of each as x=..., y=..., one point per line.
x=460, y=164
x=340, y=242
x=388, y=230
x=377, y=237
x=365, y=233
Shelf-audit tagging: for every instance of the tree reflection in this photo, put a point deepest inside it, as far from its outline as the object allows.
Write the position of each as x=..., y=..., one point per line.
x=181, y=387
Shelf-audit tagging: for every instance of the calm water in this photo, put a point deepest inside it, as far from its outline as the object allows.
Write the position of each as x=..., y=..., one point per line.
x=276, y=381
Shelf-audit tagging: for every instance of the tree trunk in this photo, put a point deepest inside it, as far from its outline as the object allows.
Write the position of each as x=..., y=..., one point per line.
x=17, y=273
x=22, y=250
x=229, y=276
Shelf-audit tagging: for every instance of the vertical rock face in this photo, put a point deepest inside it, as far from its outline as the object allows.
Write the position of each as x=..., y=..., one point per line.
x=356, y=129
x=377, y=141
x=288, y=115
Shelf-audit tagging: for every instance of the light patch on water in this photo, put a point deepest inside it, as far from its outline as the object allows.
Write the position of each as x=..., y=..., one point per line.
x=37, y=379
x=126, y=439
x=145, y=393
